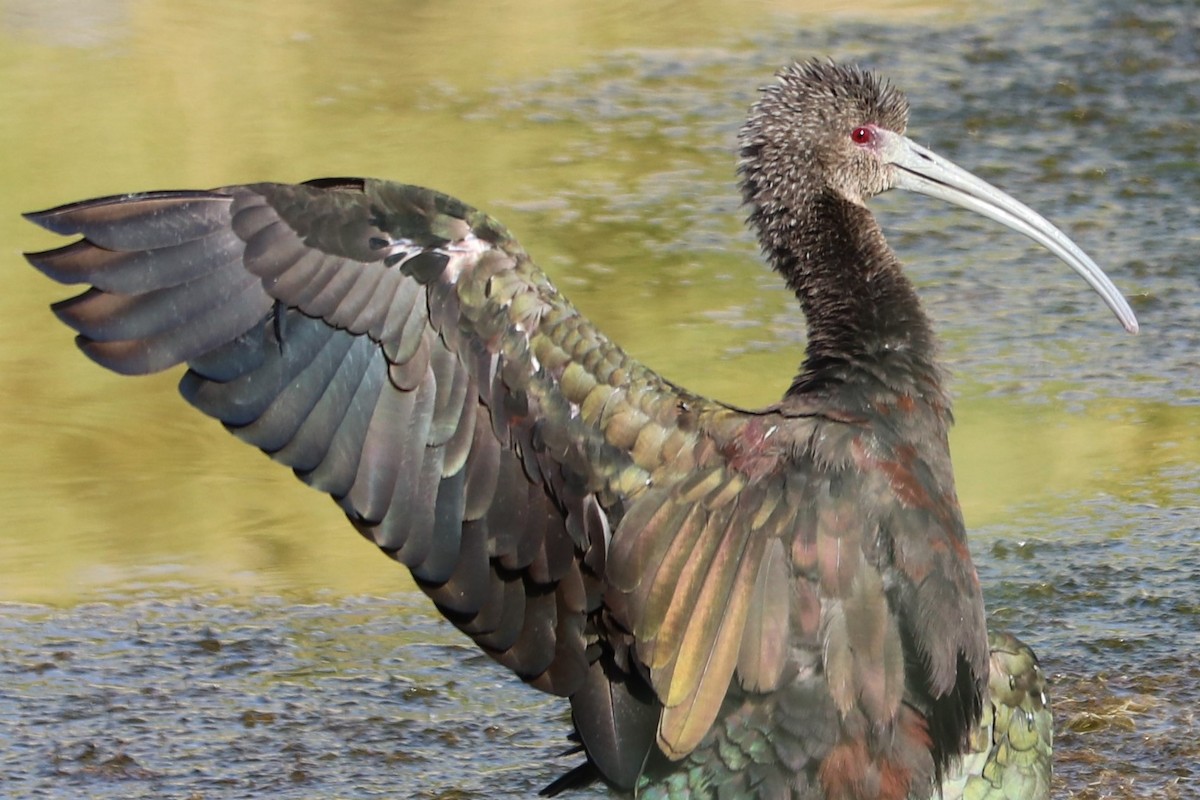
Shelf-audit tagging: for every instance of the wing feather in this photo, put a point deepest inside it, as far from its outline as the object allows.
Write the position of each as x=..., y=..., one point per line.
x=711, y=647
x=287, y=400
x=339, y=463
x=763, y=653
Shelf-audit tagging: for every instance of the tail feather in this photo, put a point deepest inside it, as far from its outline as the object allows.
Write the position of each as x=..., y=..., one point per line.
x=1012, y=749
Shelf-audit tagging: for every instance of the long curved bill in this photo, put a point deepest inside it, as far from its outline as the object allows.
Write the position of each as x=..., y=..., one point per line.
x=920, y=170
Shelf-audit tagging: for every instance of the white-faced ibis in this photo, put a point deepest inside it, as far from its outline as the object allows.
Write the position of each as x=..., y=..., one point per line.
x=774, y=603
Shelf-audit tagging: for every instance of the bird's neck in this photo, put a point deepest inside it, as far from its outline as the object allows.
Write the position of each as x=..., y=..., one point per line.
x=866, y=329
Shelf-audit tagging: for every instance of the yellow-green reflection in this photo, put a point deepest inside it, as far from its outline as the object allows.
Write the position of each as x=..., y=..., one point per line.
x=109, y=484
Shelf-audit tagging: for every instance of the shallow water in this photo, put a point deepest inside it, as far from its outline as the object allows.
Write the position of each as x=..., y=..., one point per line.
x=184, y=620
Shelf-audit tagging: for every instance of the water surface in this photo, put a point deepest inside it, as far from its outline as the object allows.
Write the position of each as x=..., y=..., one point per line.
x=183, y=619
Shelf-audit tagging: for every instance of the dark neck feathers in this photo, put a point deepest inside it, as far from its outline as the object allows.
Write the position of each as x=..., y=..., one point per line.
x=865, y=322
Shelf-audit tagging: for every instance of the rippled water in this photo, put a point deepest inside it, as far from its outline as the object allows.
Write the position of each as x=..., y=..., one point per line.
x=357, y=697
x=183, y=621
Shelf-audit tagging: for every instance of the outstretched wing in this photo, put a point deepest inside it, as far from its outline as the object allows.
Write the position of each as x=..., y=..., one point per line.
x=603, y=533
x=399, y=351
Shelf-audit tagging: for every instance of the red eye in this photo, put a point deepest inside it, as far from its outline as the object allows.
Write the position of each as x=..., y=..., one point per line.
x=862, y=135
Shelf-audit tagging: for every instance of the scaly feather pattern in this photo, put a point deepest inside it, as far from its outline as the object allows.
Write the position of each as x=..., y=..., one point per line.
x=1011, y=750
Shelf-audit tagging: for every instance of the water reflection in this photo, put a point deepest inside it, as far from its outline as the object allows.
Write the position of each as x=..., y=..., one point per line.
x=604, y=139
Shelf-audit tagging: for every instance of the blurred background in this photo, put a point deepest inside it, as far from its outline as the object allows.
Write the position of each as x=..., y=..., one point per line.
x=180, y=616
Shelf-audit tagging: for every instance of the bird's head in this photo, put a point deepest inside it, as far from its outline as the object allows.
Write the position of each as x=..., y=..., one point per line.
x=828, y=131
